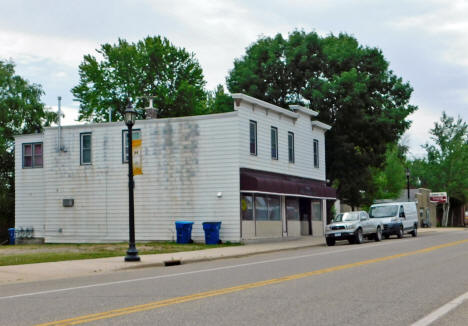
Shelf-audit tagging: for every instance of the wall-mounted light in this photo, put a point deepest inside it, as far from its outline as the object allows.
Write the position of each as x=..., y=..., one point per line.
x=219, y=194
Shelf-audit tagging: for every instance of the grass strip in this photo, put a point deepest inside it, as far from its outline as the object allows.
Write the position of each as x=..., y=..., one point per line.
x=31, y=254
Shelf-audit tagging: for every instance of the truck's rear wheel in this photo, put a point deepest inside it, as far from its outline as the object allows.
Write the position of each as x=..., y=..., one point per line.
x=359, y=237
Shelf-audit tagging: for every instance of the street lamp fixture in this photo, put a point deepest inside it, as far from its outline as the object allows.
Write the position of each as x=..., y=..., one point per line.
x=407, y=182
x=132, y=252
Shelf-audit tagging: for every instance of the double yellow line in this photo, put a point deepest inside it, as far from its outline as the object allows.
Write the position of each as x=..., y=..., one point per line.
x=213, y=293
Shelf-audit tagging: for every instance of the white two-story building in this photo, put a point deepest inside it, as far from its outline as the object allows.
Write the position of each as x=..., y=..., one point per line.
x=260, y=170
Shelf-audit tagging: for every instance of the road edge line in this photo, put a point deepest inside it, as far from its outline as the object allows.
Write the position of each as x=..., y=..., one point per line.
x=441, y=311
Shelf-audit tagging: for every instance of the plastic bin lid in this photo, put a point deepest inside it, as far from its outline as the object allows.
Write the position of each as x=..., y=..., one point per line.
x=184, y=222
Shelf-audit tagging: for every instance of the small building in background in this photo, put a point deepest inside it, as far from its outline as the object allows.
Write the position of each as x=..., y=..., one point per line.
x=260, y=170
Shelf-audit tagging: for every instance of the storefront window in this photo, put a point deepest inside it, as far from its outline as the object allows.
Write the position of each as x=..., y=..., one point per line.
x=261, y=208
x=292, y=208
x=316, y=211
x=247, y=207
x=274, y=211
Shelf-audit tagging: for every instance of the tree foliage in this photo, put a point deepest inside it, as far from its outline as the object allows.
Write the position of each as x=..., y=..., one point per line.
x=351, y=87
x=150, y=67
x=389, y=180
x=218, y=101
x=21, y=112
x=445, y=167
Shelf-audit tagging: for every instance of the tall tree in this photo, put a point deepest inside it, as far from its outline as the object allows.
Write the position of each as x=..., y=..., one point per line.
x=21, y=112
x=218, y=101
x=150, y=67
x=350, y=86
x=445, y=168
x=390, y=179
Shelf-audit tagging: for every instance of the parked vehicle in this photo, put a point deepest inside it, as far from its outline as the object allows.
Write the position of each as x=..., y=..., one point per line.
x=354, y=227
x=397, y=218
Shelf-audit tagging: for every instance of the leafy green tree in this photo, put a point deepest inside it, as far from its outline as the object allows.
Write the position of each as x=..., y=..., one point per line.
x=350, y=86
x=150, y=67
x=218, y=101
x=390, y=179
x=21, y=112
x=445, y=168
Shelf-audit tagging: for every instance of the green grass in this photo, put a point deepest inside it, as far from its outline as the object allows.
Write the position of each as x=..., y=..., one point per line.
x=30, y=254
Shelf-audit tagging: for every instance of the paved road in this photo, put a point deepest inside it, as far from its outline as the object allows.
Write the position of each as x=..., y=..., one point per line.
x=394, y=282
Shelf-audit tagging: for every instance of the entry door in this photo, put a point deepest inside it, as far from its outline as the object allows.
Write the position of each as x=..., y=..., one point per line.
x=305, y=216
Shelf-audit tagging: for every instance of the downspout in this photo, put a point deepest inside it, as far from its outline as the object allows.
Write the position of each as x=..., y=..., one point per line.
x=59, y=140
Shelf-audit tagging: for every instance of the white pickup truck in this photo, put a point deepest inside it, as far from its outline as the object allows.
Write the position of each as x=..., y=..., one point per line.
x=354, y=227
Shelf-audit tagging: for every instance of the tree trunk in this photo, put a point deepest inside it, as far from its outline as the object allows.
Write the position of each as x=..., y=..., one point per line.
x=445, y=215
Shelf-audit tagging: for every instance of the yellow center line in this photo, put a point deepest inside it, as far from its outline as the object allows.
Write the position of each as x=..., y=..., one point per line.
x=207, y=294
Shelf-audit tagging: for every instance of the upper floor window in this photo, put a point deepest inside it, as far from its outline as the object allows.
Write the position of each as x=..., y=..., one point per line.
x=291, y=147
x=85, y=148
x=32, y=155
x=136, y=134
x=316, y=153
x=253, y=137
x=274, y=143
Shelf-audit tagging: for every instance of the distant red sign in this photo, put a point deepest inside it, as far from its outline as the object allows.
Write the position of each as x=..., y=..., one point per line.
x=438, y=197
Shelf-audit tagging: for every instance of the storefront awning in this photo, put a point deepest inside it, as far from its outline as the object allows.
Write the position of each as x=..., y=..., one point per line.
x=254, y=180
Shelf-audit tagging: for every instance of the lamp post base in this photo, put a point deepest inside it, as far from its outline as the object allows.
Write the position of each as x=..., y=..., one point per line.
x=132, y=254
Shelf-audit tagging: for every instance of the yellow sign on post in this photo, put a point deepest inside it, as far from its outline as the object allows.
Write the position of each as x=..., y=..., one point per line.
x=137, y=157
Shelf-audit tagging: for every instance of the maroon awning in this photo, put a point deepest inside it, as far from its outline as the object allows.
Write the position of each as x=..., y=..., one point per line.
x=254, y=180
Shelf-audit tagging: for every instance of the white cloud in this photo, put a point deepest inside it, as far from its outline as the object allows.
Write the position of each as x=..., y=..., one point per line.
x=217, y=31
x=447, y=23
x=418, y=134
x=31, y=48
x=69, y=115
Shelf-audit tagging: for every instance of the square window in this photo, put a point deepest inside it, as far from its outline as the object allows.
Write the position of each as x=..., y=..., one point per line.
x=32, y=155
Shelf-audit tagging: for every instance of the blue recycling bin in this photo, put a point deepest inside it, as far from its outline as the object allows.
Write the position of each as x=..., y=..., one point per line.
x=184, y=231
x=211, y=232
x=11, y=236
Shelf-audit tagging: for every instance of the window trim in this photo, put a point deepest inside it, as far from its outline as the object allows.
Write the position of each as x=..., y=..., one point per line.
x=123, y=143
x=33, y=160
x=253, y=123
x=90, y=148
x=275, y=129
x=316, y=154
x=291, y=149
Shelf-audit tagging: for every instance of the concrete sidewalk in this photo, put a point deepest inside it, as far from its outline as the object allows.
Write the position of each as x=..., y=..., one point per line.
x=86, y=267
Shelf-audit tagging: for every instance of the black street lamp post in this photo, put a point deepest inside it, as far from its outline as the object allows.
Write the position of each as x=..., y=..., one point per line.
x=132, y=252
x=407, y=182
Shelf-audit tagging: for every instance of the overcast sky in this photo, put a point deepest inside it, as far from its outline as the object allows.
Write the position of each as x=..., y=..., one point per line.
x=426, y=42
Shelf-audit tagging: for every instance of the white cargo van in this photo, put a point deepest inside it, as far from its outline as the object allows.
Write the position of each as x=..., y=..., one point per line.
x=397, y=218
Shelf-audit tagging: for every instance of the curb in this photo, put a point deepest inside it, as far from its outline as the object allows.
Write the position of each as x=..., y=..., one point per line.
x=182, y=261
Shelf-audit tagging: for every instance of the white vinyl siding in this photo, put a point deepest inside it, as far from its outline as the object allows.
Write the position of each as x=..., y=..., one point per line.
x=186, y=163
x=29, y=188
x=304, y=134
